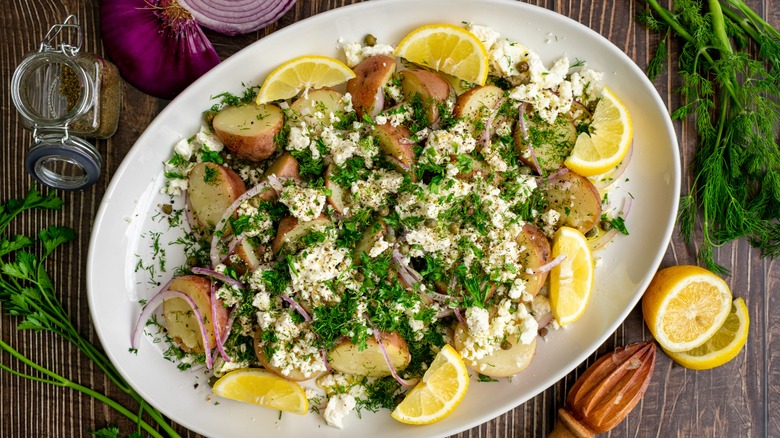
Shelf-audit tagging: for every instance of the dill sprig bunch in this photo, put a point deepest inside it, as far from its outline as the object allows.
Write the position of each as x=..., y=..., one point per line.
x=734, y=99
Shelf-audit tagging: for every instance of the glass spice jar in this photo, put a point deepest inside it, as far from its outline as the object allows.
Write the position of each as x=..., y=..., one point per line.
x=63, y=94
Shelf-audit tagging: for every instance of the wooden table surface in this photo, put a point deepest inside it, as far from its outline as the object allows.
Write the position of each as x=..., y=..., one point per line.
x=736, y=399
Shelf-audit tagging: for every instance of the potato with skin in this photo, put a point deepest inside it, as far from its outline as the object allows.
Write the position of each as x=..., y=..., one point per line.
x=478, y=102
x=285, y=166
x=324, y=101
x=295, y=375
x=212, y=188
x=248, y=131
x=372, y=235
x=535, y=254
x=339, y=196
x=180, y=320
x=291, y=230
x=367, y=87
x=431, y=87
x=500, y=363
x=551, y=143
x=348, y=358
x=575, y=198
x=396, y=143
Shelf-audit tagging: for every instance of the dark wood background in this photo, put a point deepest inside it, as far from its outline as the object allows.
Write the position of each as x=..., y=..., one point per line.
x=736, y=399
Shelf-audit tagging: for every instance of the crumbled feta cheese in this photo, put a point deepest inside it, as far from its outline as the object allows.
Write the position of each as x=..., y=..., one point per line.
x=477, y=320
x=356, y=52
x=208, y=140
x=339, y=406
x=184, y=148
x=304, y=203
x=485, y=34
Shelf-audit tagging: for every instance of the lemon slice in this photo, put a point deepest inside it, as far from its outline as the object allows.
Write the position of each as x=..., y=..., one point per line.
x=684, y=306
x=609, y=139
x=302, y=74
x=571, y=281
x=262, y=388
x=723, y=346
x=439, y=392
x=446, y=48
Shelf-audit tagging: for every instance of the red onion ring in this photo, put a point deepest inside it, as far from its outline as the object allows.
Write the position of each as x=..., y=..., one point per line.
x=324, y=355
x=237, y=17
x=154, y=303
x=217, y=330
x=233, y=244
x=549, y=265
x=524, y=131
x=249, y=194
x=607, y=237
x=460, y=317
x=557, y=173
x=219, y=276
x=297, y=307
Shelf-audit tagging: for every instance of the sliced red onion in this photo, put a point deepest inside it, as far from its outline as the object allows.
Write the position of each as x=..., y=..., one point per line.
x=549, y=265
x=444, y=313
x=324, y=355
x=442, y=298
x=276, y=183
x=557, y=173
x=235, y=17
x=486, y=133
x=154, y=303
x=215, y=240
x=157, y=45
x=217, y=330
x=378, y=337
x=607, y=179
x=234, y=243
x=219, y=276
x=607, y=237
x=524, y=131
x=297, y=307
x=460, y=317
x=379, y=102
x=544, y=320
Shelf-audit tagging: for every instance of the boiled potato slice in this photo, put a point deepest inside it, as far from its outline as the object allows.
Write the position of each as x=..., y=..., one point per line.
x=291, y=230
x=212, y=188
x=367, y=87
x=551, y=143
x=478, y=103
x=500, y=363
x=180, y=320
x=575, y=198
x=347, y=357
x=317, y=106
x=431, y=87
x=248, y=131
x=395, y=142
x=536, y=253
x=339, y=196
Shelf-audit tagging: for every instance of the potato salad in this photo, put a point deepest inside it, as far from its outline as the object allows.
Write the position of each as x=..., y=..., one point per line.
x=342, y=237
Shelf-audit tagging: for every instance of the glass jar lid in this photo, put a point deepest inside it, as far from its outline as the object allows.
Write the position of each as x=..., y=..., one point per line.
x=63, y=162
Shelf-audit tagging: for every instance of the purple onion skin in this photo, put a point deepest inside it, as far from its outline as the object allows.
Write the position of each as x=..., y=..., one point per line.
x=156, y=45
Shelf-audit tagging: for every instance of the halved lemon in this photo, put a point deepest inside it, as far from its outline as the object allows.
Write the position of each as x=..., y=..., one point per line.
x=571, y=281
x=684, y=306
x=446, y=48
x=263, y=388
x=440, y=391
x=723, y=346
x=608, y=141
x=302, y=74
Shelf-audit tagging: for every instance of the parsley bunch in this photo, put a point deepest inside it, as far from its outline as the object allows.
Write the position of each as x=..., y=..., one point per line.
x=27, y=292
x=735, y=99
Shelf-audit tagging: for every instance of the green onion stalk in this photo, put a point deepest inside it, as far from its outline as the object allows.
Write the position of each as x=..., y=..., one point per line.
x=27, y=292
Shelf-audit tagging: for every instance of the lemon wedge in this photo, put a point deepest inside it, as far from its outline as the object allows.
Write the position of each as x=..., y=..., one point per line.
x=440, y=391
x=723, y=346
x=684, y=306
x=571, y=281
x=608, y=141
x=446, y=48
x=263, y=388
x=302, y=74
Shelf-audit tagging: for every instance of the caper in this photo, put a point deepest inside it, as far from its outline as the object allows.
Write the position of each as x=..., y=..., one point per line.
x=404, y=249
x=213, y=380
x=506, y=345
x=454, y=228
x=370, y=40
x=524, y=170
x=543, y=331
x=167, y=208
x=192, y=261
x=605, y=225
x=592, y=232
x=359, y=277
x=430, y=223
x=522, y=66
x=390, y=238
x=384, y=211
